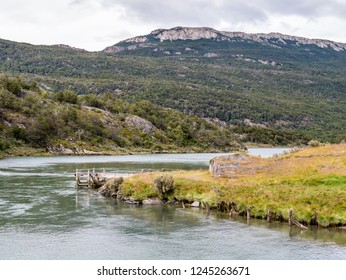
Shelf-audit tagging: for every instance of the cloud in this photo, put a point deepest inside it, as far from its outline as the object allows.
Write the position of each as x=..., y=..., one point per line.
x=305, y=8
x=189, y=12
x=95, y=24
x=211, y=12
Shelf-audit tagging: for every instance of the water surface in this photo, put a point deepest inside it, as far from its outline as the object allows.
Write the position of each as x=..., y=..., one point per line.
x=42, y=216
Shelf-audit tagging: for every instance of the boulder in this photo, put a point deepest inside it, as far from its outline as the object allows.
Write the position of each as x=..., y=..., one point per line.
x=141, y=124
x=152, y=201
x=234, y=165
x=195, y=204
x=130, y=200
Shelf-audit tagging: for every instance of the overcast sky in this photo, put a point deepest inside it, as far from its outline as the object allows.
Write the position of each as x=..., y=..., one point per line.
x=96, y=24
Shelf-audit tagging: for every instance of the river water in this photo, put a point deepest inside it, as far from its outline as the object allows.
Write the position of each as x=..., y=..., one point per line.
x=42, y=216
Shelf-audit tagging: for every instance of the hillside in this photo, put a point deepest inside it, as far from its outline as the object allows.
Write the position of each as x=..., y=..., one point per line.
x=261, y=84
x=34, y=121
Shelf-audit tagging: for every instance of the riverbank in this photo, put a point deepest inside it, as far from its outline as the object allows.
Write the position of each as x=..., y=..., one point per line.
x=62, y=151
x=312, y=181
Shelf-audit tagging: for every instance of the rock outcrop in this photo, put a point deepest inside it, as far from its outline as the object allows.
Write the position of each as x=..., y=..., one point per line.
x=234, y=165
x=141, y=124
x=196, y=33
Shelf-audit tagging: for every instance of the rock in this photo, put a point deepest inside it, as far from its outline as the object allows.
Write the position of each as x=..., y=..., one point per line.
x=61, y=150
x=141, y=124
x=234, y=165
x=130, y=200
x=195, y=204
x=111, y=188
x=152, y=201
x=113, y=49
x=210, y=55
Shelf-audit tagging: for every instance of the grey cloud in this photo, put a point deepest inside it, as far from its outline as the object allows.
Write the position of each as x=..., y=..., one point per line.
x=190, y=12
x=212, y=12
x=306, y=8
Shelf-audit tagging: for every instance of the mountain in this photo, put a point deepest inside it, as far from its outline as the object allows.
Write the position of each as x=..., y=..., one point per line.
x=275, y=40
x=266, y=87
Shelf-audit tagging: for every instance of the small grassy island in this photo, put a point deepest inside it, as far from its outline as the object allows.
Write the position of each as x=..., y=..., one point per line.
x=312, y=181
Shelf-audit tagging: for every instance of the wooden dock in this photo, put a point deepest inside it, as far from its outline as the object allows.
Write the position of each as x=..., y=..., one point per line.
x=91, y=178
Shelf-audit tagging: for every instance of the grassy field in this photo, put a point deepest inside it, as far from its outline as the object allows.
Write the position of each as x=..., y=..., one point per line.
x=312, y=181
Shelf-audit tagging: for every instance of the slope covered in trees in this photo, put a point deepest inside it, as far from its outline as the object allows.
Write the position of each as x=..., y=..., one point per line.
x=33, y=120
x=263, y=91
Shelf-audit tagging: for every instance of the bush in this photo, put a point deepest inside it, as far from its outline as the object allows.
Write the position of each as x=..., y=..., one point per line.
x=164, y=185
x=3, y=145
x=315, y=143
x=19, y=134
x=66, y=96
x=8, y=100
x=13, y=85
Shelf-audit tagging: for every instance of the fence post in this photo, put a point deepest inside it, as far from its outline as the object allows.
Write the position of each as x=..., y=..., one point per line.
x=248, y=212
x=290, y=217
x=269, y=216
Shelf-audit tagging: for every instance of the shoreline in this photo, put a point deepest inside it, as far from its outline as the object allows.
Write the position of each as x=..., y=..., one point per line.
x=312, y=182
x=45, y=153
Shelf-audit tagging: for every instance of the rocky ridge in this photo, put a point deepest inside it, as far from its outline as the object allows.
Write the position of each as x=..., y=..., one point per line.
x=197, y=33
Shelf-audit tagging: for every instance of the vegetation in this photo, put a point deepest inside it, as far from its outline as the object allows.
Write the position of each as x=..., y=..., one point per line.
x=33, y=120
x=164, y=185
x=300, y=97
x=311, y=181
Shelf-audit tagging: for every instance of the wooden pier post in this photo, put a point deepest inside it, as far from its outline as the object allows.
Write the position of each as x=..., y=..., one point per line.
x=88, y=178
x=290, y=217
x=77, y=178
x=207, y=208
x=248, y=212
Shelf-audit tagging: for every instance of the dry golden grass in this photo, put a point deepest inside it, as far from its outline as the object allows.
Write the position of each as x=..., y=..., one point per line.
x=312, y=181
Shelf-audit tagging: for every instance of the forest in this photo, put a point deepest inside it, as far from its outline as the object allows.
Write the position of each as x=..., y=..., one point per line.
x=277, y=96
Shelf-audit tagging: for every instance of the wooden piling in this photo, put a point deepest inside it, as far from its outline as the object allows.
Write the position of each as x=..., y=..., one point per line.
x=269, y=213
x=292, y=221
x=290, y=217
x=77, y=178
x=248, y=212
x=207, y=208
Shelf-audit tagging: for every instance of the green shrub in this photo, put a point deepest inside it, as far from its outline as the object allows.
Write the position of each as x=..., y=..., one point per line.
x=19, y=134
x=3, y=145
x=164, y=185
x=8, y=100
x=314, y=143
x=66, y=96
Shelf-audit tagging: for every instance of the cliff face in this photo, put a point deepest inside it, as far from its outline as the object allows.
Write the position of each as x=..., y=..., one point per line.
x=197, y=33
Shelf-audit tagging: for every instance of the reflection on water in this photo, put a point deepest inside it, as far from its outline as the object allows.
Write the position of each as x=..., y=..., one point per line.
x=44, y=217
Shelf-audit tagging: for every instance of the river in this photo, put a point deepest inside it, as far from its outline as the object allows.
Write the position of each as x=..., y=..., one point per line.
x=43, y=216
